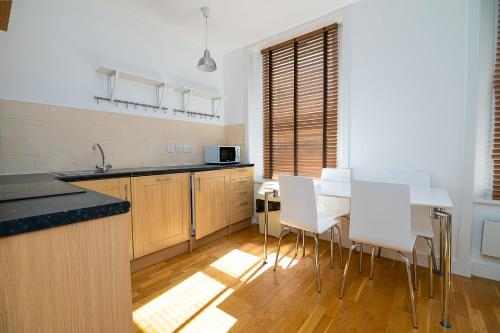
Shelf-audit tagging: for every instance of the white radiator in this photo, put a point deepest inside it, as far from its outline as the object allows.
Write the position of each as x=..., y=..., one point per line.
x=491, y=238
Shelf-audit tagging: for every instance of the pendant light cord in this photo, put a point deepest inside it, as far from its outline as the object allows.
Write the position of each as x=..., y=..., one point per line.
x=206, y=32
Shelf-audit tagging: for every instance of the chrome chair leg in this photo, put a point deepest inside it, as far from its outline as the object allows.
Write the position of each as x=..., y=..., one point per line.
x=371, y=262
x=346, y=270
x=297, y=242
x=434, y=262
x=379, y=251
x=316, y=252
x=415, y=279
x=431, y=265
x=410, y=289
x=360, y=258
x=303, y=243
x=332, y=233
x=278, y=250
x=340, y=246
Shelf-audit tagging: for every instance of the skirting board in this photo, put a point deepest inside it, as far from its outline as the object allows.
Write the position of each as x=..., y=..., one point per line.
x=181, y=248
x=486, y=270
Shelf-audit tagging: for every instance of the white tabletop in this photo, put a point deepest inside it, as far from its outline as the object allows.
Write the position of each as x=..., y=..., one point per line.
x=419, y=196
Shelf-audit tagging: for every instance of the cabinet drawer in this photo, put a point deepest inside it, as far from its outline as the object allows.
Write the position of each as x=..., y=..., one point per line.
x=241, y=210
x=241, y=172
x=242, y=194
x=241, y=183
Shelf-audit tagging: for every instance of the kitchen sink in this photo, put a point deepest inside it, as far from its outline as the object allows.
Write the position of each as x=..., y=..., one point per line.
x=77, y=173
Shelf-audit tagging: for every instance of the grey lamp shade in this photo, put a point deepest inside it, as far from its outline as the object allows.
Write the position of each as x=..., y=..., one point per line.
x=206, y=63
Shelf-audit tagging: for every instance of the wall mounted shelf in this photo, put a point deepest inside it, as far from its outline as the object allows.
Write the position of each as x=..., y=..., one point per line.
x=187, y=93
x=115, y=75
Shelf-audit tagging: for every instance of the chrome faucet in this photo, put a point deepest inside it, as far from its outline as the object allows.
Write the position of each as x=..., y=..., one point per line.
x=103, y=167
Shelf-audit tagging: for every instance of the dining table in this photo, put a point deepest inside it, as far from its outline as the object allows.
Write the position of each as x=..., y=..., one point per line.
x=436, y=199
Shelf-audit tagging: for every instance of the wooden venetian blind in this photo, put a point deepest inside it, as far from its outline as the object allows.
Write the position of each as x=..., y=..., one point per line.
x=496, y=115
x=300, y=94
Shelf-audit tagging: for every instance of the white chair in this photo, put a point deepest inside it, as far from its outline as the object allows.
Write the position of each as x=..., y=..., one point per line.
x=299, y=211
x=381, y=217
x=421, y=227
x=340, y=205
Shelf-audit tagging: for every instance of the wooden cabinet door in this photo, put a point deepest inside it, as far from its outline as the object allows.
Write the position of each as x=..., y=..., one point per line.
x=114, y=187
x=161, y=215
x=211, y=201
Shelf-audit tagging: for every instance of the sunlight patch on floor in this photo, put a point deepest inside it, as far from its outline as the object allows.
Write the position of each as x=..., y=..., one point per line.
x=212, y=319
x=235, y=263
x=174, y=307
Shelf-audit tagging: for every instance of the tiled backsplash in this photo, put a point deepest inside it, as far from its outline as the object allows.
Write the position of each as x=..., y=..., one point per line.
x=38, y=138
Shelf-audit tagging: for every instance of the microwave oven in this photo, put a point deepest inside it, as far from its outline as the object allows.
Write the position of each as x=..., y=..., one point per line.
x=222, y=154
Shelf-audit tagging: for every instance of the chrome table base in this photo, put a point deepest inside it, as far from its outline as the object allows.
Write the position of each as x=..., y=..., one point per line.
x=444, y=261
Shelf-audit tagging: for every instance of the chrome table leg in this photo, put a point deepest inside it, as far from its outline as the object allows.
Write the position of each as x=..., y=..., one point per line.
x=274, y=193
x=372, y=259
x=445, y=262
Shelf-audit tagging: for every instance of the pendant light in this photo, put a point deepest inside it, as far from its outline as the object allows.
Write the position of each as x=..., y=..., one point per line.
x=206, y=63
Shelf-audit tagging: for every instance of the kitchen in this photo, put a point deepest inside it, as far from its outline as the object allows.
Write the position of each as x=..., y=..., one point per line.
x=142, y=142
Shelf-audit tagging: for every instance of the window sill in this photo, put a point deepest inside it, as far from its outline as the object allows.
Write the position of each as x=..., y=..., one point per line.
x=487, y=201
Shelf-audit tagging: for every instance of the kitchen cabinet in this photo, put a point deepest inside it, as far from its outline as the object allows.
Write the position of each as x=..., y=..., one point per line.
x=114, y=187
x=242, y=199
x=212, y=191
x=160, y=212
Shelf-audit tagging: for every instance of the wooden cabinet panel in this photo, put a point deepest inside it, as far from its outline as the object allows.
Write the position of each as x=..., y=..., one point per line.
x=242, y=195
x=241, y=172
x=114, y=187
x=161, y=214
x=212, y=201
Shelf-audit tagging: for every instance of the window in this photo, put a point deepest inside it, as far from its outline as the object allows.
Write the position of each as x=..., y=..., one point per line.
x=300, y=94
x=496, y=116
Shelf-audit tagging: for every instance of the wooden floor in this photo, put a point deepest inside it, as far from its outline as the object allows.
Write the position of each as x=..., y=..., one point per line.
x=223, y=286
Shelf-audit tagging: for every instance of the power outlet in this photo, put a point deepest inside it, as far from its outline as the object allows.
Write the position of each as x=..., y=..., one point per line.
x=188, y=148
x=179, y=148
x=170, y=148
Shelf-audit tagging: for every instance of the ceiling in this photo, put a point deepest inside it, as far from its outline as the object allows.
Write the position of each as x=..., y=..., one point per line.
x=236, y=23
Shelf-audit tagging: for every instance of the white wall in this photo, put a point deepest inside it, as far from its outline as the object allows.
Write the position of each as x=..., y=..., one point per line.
x=483, y=208
x=408, y=70
x=52, y=48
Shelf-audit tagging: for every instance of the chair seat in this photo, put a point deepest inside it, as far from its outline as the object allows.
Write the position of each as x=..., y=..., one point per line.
x=391, y=245
x=422, y=228
x=326, y=220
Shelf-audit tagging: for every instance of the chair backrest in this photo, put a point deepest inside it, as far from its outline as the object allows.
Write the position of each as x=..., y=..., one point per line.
x=298, y=202
x=380, y=215
x=409, y=177
x=336, y=175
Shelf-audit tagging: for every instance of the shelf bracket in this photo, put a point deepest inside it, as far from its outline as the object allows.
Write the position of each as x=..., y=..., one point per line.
x=186, y=101
x=216, y=110
x=161, y=96
x=113, y=85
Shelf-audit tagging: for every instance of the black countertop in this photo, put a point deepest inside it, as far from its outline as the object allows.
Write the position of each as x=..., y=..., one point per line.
x=19, y=216
x=135, y=172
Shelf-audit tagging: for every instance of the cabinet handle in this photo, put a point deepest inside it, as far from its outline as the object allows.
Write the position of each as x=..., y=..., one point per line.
x=243, y=204
x=126, y=192
x=162, y=179
x=199, y=184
